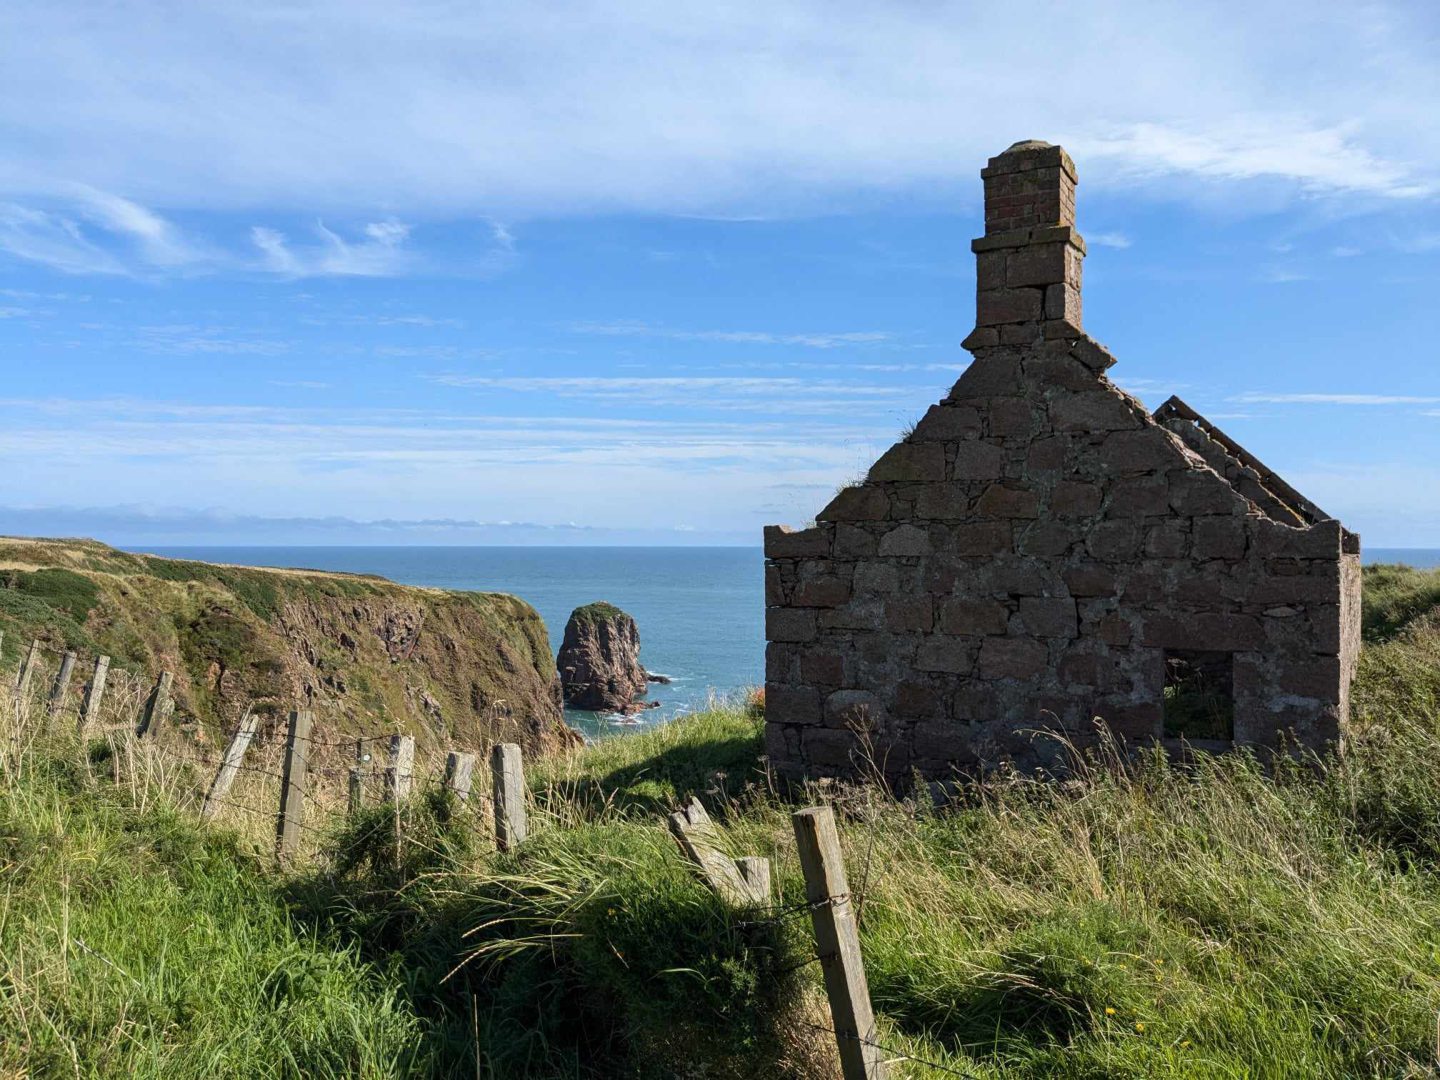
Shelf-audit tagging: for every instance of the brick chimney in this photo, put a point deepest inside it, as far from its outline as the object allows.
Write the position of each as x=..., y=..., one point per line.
x=1028, y=262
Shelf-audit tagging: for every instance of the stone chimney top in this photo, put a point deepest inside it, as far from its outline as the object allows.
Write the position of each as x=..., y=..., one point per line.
x=1028, y=261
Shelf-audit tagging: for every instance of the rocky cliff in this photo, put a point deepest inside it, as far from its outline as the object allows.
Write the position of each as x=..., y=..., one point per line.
x=367, y=654
x=599, y=660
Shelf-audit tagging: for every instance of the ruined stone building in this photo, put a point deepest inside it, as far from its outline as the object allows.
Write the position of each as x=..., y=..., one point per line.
x=1041, y=550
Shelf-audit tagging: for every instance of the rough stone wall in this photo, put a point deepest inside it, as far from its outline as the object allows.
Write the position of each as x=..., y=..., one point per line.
x=1025, y=557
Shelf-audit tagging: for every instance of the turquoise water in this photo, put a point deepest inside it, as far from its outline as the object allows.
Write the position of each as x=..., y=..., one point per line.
x=700, y=610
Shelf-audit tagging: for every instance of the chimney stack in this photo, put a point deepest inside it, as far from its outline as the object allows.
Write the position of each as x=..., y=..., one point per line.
x=1028, y=261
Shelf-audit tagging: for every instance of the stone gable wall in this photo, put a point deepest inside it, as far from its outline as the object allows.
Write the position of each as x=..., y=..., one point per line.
x=1023, y=559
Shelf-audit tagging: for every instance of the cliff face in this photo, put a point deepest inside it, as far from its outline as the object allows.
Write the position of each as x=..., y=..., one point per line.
x=599, y=660
x=367, y=654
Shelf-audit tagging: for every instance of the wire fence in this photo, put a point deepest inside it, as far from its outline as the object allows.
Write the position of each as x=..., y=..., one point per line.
x=297, y=791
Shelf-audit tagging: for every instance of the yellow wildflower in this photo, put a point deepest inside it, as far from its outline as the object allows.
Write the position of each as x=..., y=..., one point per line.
x=1139, y=1025
x=1109, y=1011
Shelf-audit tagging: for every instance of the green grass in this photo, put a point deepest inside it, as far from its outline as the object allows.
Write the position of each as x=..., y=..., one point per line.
x=1397, y=595
x=1142, y=919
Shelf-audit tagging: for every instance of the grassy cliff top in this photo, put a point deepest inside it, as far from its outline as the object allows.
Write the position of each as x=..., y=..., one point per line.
x=599, y=611
x=235, y=637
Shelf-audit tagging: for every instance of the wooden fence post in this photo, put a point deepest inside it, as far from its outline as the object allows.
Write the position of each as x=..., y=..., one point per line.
x=402, y=765
x=94, y=691
x=157, y=705
x=698, y=839
x=229, y=764
x=459, y=772
x=756, y=872
x=837, y=942
x=61, y=685
x=292, y=784
x=355, y=792
x=507, y=772
x=27, y=669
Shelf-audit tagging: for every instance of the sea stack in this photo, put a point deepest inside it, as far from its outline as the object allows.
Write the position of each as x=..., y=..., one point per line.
x=599, y=662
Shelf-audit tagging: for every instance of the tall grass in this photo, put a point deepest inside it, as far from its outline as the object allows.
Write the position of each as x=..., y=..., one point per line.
x=1143, y=918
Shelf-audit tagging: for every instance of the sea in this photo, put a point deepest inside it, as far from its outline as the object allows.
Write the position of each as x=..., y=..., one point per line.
x=700, y=610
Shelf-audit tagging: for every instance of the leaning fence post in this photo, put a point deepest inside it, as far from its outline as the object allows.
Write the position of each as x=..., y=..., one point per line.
x=755, y=869
x=838, y=943
x=459, y=771
x=27, y=668
x=402, y=765
x=157, y=705
x=94, y=691
x=230, y=764
x=700, y=841
x=292, y=784
x=61, y=684
x=507, y=771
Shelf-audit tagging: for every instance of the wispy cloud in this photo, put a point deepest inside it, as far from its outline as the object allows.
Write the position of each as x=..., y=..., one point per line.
x=1334, y=399
x=777, y=394
x=737, y=337
x=1107, y=239
x=381, y=252
x=268, y=108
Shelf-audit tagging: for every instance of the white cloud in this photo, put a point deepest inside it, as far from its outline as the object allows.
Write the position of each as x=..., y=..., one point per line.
x=746, y=110
x=1334, y=399
x=736, y=337
x=383, y=252
x=1107, y=239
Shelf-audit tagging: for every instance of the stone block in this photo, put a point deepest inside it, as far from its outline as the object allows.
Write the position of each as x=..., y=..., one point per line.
x=1049, y=454
x=1317, y=677
x=1220, y=537
x=1073, y=498
x=1170, y=540
x=1046, y=538
x=999, y=501
x=1148, y=450
x=1114, y=629
x=910, y=613
x=855, y=710
x=915, y=700
x=997, y=306
x=1140, y=496
x=791, y=704
x=782, y=748
x=1011, y=418
x=1092, y=355
x=1012, y=658
x=950, y=655
x=1062, y=305
x=982, y=337
x=1038, y=264
x=822, y=669
x=1047, y=616
x=857, y=503
x=991, y=270
x=1113, y=541
x=910, y=461
x=855, y=542
x=905, y=540
x=774, y=588
x=976, y=460
x=865, y=613
x=973, y=617
x=782, y=542
x=942, y=502
x=1089, y=579
x=947, y=423
x=828, y=750
x=873, y=578
x=983, y=538
x=821, y=592
x=782, y=661
x=1200, y=491
x=789, y=624
x=993, y=375
x=1093, y=410
x=1217, y=631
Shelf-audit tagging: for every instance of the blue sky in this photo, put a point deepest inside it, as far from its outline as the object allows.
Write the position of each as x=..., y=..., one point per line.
x=665, y=273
